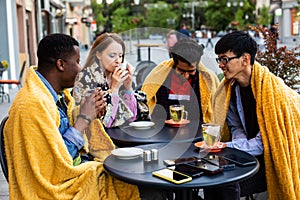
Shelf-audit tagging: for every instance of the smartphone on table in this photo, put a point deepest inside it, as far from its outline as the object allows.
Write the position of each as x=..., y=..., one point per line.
x=188, y=170
x=220, y=162
x=172, y=176
x=171, y=162
x=239, y=160
x=206, y=167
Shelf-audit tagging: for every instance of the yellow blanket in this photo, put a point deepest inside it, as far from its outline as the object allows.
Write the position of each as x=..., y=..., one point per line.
x=39, y=164
x=278, y=113
x=207, y=79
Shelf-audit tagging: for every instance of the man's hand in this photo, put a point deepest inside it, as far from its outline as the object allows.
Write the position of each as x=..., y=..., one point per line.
x=91, y=107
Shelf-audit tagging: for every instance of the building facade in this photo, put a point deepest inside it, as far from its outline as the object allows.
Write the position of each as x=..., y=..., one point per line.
x=286, y=14
x=26, y=22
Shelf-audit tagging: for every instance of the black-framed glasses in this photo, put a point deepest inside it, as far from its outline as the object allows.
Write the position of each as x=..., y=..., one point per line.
x=225, y=60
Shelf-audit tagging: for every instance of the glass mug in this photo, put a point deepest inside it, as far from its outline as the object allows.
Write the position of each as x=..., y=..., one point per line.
x=177, y=113
x=211, y=134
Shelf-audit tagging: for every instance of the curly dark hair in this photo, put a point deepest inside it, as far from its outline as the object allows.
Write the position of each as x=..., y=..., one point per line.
x=53, y=47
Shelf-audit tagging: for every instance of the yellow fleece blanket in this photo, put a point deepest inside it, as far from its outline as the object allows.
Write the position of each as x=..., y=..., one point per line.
x=278, y=113
x=208, y=82
x=39, y=163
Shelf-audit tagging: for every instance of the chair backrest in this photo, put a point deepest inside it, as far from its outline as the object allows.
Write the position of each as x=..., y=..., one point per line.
x=2, y=149
x=22, y=72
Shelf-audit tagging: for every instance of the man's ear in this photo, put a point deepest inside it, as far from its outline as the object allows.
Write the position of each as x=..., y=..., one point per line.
x=60, y=64
x=246, y=58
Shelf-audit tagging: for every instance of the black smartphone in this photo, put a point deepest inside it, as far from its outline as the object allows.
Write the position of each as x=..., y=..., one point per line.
x=239, y=160
x=206, y=167
x=171, y=162
x=188, y=170
x=172, y=176
x=220, y=162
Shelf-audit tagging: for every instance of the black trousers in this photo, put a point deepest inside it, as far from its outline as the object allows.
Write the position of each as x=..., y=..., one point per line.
x=226, y=192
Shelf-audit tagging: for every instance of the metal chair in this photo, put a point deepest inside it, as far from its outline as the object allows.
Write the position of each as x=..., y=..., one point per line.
x=142, y=70
x=11, y=82
x=2, y=149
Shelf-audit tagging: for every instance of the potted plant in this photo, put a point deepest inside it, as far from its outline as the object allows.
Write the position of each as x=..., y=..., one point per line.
x=4, y=64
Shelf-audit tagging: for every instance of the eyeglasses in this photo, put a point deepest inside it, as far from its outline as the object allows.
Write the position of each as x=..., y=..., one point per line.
x=225, y=60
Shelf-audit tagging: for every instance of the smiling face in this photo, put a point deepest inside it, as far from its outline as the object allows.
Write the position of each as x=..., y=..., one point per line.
x=111, y=57
x=235, y=67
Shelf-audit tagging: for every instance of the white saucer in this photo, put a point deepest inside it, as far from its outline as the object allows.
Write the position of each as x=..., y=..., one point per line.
x=142, y=124
x=127, y=152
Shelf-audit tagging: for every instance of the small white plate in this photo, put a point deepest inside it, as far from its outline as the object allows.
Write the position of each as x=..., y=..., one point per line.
x=142, y=124
x=127, y=152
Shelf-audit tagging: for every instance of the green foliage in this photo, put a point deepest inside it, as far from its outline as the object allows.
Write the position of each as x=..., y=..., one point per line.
x=212, y=13
x=220, y=17
x=158, y=16
x=220, y=76
x=283, y=62
x=97, y=10
x=121, y=23
x=264, y=18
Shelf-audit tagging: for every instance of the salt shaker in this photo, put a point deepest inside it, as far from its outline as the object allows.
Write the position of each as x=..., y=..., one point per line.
x=154, y=154
x=147, y=155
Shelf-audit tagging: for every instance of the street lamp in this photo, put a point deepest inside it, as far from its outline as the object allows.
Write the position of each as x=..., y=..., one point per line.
x=235, y=5
x=137, y=3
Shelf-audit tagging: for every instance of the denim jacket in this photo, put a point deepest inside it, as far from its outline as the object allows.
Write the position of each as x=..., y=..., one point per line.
x=73, y=138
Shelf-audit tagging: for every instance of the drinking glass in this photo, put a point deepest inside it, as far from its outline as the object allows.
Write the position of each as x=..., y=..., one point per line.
x=177, y=113
x=211, y=135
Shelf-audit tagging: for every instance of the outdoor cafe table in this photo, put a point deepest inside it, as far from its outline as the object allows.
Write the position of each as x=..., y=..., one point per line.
x=139, y=172
x=149, y=46
x=159, y=133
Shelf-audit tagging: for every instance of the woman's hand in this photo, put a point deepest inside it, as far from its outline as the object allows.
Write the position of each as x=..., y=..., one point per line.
x=118, y=78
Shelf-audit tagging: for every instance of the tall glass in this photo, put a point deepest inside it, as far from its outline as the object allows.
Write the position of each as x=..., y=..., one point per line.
x=211, y=135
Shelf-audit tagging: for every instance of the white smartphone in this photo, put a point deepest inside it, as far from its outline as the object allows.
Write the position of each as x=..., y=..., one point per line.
x=172, y=176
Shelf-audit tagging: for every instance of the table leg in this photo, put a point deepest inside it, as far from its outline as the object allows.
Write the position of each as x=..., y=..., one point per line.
x=3, y=95
x=1, y=92
x=184, y=194
x=149, y=54
x=138, y=54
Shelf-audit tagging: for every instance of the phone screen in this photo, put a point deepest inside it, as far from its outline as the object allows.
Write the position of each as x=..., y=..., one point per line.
x=188, y=170
x=220, y=161
x=172, y=176
x=206, y=167
x=239, y=160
